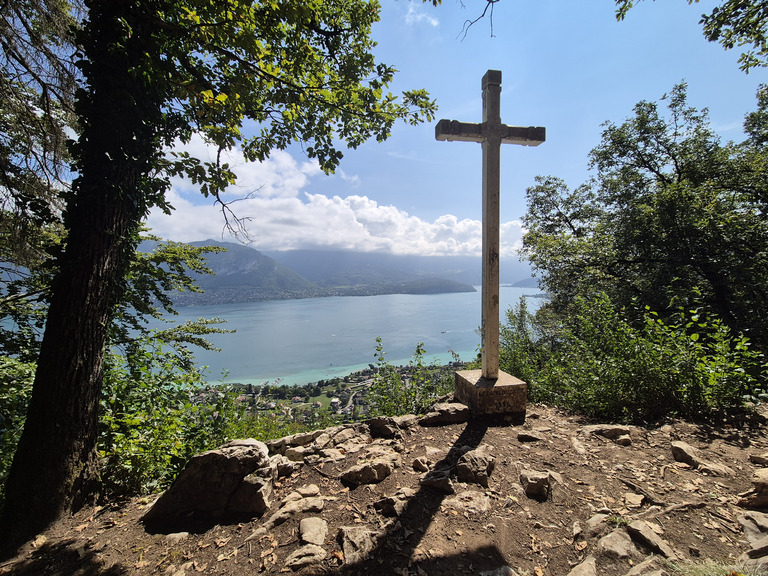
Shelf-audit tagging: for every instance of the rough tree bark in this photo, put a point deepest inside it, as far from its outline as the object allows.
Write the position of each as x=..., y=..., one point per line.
x=54, y=468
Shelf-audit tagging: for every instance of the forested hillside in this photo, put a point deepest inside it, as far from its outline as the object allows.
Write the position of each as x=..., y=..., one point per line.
x=242, y=274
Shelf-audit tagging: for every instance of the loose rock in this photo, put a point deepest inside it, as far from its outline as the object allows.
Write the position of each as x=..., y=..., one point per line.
x=357, y=543
x=312, y=530
x=447, y=413
x=306, y=556
x=368, y=473
x=211, y=487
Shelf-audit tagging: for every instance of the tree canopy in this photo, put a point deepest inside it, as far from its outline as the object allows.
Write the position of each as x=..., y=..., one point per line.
x=742, y=23
x=149, y=74
x=671, y=213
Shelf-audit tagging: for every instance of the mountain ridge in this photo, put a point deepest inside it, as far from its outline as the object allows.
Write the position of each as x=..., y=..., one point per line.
x=244, y=274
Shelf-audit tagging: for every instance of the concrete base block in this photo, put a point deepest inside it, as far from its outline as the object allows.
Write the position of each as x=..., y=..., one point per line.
x=507, y=395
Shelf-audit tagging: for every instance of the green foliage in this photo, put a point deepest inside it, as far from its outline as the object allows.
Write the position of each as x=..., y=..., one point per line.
x=151, y=277
x=733, y=23
x=273, y=424
x=685, y=364
x=15, y=391
x=525, y=342
x=669, y=210
x=408, y=392
x=156, y=412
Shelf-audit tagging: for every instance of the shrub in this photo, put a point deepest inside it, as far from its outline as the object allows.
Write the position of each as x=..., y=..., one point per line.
x=602, y=366
x=15, y=390
x=156, y=412
x=392, y=394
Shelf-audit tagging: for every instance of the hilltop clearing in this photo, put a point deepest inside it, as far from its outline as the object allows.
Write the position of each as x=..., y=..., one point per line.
x=556, y=495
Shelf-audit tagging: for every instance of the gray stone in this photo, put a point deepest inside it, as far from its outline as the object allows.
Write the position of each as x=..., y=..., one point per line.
x=759, y=549
x=755, y=525
x=283, y=465
x=176, y=537
x=406, y=421
x=331, y=454
x=421, y=464
x=308, y=490
x=313, y=530
x=357, y=543
x=653, y=566
x=587, y=568
x=525, y=436
x=758, y=496
x=641, y=532
x=632, y=500
x=302, y=438
x=759, y=459
x=294, y=508
x=470, y=501
x=358, y=433
x=475, y=466
x=383, y=427
x=597, y=526
x=624, y=440
x=500, y=571
x=535, y=484
x=305, y=556
x=204, y=490
x=440, y=479
x=387, y=453
x=297, y=453
x=367, y=473
x=616, y=545
x=610, y=431
x=252, y=497
x=290, y=497
x=446, y=413
x=279, y=445
x=394, y=505
x=715, y=469
x=683, y=452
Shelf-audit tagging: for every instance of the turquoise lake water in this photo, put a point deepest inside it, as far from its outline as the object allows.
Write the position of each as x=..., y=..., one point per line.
x=301, y=341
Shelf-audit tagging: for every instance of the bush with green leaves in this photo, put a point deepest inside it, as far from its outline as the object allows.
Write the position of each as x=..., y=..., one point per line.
x=413, y=392
x=15, y=390
x=525, y=340
x=685, y=364
x=156, y=412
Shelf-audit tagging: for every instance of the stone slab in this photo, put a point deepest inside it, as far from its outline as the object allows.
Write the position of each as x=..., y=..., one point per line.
x=505, y=395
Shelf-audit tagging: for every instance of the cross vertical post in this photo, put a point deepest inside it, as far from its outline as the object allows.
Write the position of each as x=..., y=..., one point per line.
x=491, y=146
x=491, y=133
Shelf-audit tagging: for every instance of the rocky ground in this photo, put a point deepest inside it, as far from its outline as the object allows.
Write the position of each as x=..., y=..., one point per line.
x=555, y=495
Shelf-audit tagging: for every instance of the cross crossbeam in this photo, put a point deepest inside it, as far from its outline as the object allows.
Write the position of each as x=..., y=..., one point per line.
x=455, y=131
x=491, y=133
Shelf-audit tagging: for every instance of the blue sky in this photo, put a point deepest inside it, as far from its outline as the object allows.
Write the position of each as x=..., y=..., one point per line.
x=568, y=66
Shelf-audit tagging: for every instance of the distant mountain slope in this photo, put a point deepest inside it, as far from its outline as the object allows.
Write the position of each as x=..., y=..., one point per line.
x=338, y=267
x=243, y=274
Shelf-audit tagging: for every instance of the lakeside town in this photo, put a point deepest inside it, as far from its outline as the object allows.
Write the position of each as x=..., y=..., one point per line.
x=343, y=397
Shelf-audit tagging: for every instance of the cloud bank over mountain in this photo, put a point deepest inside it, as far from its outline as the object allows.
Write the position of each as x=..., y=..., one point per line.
x=270, y=198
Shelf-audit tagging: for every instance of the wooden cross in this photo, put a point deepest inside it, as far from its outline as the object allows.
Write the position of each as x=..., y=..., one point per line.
x=491, y=134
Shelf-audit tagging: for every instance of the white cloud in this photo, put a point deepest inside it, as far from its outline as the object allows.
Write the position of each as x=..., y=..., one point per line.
x=281, y=216
x=280, y=177
x=416, y=15
x=353, y=179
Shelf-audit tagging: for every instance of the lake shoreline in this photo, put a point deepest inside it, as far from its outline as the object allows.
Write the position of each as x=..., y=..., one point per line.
x=308, y=340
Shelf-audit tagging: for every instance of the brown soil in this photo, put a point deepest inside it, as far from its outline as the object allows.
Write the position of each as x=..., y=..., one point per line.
x=695, y=512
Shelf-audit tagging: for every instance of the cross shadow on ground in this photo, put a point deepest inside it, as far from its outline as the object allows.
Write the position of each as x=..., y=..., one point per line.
x=64, y=558
x=399, y=552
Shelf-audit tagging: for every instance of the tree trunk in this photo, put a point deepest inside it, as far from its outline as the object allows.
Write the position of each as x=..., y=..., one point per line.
x=55, y=465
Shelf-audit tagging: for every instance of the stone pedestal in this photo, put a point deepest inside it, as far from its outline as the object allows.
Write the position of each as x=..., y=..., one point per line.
x=507, y=395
